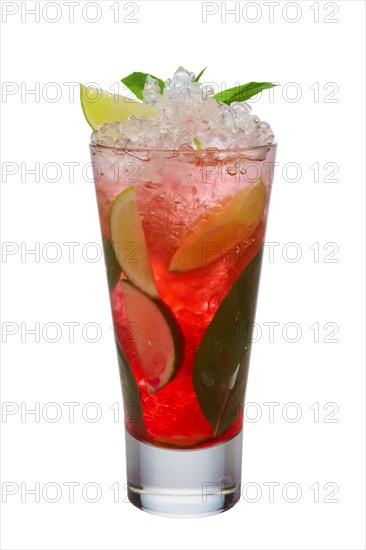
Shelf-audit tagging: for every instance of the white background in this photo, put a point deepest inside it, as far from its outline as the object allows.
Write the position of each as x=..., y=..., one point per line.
x=314, y=122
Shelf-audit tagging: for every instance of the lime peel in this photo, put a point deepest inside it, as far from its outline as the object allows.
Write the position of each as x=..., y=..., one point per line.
x=128, y=240
x=158, y=339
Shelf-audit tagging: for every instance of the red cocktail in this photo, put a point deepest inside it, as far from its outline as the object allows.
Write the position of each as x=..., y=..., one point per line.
x=183, y=192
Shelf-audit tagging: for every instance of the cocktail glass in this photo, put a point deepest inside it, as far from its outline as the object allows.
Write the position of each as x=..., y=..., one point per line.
x=183, y=233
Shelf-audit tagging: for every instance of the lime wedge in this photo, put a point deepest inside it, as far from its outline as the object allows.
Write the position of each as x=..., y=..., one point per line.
x=157, y=340
x=101, y=107
x=221, y=229
x=129, y=243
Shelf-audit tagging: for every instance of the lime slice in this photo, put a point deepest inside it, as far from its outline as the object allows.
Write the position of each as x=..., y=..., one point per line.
x=101, y=107
x=129, y=243
x=157, y=339
x=221, y=229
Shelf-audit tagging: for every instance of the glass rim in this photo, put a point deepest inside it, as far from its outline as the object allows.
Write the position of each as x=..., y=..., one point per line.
x=212, y=150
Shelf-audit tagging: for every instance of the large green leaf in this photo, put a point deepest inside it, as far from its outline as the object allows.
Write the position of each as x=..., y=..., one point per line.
x=112, y=266
x=222, y=358
x=131, y=397
x=243, y=92
x=136, y=82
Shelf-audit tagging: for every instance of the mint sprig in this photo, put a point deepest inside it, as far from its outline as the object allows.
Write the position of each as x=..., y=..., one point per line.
x=136, y=82
x=243, y=92
x=197, y=143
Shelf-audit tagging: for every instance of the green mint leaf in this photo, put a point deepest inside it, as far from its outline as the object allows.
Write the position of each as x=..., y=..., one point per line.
x=243, y=92
x=197, y=143
x=136, y=82
x=112, y=266
x=131, y=397
x=222, y=359
x=199, y=75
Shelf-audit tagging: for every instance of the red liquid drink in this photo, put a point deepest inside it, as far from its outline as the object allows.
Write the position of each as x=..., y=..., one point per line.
x=183, y=233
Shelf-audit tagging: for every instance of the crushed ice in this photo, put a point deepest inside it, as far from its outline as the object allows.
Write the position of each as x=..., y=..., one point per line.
x=186, y=112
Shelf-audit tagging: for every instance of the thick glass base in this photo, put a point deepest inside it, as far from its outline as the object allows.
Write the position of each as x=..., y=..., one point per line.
x=184, y=483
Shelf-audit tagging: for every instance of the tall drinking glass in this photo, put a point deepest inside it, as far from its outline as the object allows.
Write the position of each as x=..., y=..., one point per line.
x=183, y=233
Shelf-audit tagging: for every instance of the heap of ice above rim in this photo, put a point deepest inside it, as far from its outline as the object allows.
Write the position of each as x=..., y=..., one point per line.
x=186, y=112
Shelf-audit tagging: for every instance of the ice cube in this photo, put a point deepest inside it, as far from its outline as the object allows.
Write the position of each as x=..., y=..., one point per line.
x=184, y=111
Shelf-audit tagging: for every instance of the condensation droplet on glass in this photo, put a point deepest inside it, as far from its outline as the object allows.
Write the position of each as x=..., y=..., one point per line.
x=194, y=190
x=232, y=170
x=150, y=185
